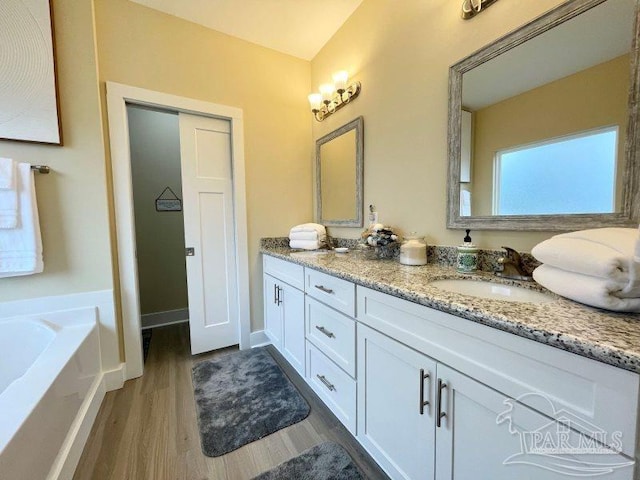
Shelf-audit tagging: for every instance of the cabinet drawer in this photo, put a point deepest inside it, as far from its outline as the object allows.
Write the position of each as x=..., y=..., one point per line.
x=336, y=389
x=288, y=272
x=333, y=333
x=335, y=292
x=597, y=393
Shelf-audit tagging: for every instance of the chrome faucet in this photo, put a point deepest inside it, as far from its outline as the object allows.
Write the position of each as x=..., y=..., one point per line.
x=512, y=266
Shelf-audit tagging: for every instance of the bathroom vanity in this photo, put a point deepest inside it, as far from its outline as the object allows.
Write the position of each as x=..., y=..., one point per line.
x=436, y=384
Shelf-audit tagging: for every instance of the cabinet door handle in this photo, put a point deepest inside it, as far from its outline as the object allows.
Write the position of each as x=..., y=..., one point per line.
x=326, y=332
x=439, y=412
x=280, y=289
x=423, y=402
x=326, y=382
x=275, y=294
x=324, y=289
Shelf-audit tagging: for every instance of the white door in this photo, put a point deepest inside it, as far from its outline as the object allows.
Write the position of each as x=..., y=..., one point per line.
x=396, y=406
x=205, y=150
x=293, y=326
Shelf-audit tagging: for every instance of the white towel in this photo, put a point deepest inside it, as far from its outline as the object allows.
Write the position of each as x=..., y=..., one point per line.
x=606, y=253
x=305, y=244
x=306, y=236
x=594, y=291
x=21, y=248
x=309, y=227
x=8, y=194
x=7, y=174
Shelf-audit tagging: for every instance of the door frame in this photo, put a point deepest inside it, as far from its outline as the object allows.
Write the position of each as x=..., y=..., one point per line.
x=118, y=96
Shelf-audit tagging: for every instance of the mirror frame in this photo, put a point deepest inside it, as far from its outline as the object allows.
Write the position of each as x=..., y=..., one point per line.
x=628, y=216
x=358, y=126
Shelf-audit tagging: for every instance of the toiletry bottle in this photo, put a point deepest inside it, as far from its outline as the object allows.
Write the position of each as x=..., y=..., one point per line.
x=413, y=250
x=467, y=255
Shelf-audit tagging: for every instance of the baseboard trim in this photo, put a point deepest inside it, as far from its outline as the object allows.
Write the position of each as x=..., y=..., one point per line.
x=161, y=319
x=67, y=460
x=259, y=339
x=114, y=379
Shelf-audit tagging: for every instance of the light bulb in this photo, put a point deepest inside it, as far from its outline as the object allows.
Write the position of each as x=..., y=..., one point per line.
x=315, y=100
x=340, y=80
x=327, y=89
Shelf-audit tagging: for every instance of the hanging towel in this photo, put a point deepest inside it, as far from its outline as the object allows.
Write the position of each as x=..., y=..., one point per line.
x=8, y=194
x=594, y=291
x=606, y=253
x=21, y=247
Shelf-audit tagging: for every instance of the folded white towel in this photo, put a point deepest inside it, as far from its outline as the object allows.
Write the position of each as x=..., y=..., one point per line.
x=306, y=236
x=8, y=194
x=21, y=248
x=594, y=291
x=309, y=227
x=7, y=174
x=305, y=244
x=604, y=252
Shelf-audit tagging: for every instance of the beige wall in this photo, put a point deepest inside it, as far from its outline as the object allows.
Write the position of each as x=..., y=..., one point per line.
x=596, y=97
x=401, y=52
x=155, y=165
x=145, y=48
x=72, y=200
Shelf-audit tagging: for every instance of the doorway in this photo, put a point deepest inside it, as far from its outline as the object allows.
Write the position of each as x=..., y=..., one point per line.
x=214, y=219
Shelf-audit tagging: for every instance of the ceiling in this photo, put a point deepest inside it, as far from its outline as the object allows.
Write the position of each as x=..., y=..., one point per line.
x=295, y=27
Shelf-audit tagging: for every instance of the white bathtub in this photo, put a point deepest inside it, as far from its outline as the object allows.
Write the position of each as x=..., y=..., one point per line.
x=49, y=379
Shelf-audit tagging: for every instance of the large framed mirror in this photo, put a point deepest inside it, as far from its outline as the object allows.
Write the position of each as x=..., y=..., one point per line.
x=543, y=124
x=339, y=176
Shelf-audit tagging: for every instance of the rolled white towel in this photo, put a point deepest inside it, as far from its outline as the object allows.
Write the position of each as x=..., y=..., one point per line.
x=594, y=291
x=606, y=253
x=309, y=227
x=306, y=236
x=305, y=244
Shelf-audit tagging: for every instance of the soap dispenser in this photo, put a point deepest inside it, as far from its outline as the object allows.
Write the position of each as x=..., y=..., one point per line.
x=467, y=255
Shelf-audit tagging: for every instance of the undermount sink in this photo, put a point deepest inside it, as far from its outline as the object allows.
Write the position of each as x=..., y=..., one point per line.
x=493, y=291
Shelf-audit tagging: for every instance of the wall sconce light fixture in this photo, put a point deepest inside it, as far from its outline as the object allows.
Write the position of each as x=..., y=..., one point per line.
x=470, y=8
x=333, y=96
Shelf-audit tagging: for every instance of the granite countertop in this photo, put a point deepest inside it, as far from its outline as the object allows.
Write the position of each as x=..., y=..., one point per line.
x=609, y=337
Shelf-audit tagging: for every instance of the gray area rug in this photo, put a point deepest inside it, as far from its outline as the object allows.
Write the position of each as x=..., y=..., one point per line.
x=242, y=397
x=327, y=461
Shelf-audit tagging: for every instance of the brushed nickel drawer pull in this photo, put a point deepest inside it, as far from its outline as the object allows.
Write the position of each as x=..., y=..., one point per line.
x=423, y=402
x=439, y=412
x=326, y=382
x=280, y=290
x=275, y=294
x=326, y=332
x=324, y=289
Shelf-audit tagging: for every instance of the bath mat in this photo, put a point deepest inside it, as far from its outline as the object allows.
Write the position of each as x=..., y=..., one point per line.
x=327, y=461
x=242, y=397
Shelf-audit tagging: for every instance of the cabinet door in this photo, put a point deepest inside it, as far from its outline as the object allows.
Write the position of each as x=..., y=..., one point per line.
x=272, y=312
x=484, y=434
x=393, y=425
x=293, y=326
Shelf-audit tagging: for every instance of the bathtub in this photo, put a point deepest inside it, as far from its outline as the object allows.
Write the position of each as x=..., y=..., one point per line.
x=49, y=379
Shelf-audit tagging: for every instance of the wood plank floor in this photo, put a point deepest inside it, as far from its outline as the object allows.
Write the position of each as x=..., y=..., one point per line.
x=148, y=429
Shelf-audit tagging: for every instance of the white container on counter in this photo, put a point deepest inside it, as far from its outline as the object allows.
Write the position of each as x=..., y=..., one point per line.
x=413, y=251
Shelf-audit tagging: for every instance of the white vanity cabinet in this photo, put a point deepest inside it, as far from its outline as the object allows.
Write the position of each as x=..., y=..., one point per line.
x=433, y=396
x=284, y=309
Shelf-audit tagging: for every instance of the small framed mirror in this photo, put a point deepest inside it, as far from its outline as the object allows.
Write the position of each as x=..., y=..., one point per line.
x=339, y=176
x=543, y=124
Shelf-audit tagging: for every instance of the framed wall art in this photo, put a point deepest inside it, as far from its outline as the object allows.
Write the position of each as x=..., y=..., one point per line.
x=28, y=91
